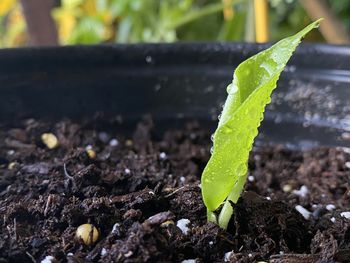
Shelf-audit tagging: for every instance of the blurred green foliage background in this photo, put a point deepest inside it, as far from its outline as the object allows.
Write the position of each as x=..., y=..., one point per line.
x=134, y=21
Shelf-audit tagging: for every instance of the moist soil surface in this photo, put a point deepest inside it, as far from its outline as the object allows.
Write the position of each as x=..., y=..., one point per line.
x=142, y=192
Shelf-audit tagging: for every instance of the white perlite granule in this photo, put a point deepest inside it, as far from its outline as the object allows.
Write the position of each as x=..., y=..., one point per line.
x=188, y=261
x=182, y=224
x=115, y=228
x=113, y=142
x=302, y=192
x=162, y=155
x=304, y=212
x=48, y=259
x=345, y=149
x=227, y=256
x=88, y=147
x=103, y=252
x=345, y=214
x=330, y=207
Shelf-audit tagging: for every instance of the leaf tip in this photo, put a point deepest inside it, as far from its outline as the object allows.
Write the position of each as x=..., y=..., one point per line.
x=318, y=22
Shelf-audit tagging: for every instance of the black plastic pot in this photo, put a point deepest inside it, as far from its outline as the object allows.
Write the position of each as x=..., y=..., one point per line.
x=175, y=82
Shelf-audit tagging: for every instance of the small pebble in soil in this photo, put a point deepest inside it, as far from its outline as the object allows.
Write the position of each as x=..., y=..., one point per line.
x=268, y=198
x=330, y=207
x=48, y=259
x=50, y=140
x=302, y=192
x=129, y=143
x=12, y=165
x=113, y=142
x=162, y=155
x=182, y=224
x=87, y=233
x=304, y=212
x=287, y=188
x=127, y=171
x=332, y=219
x=159, y=218
x=345, y=214
x=91, y=153
x=189, y=261
x=128, y=254
x=182, y=179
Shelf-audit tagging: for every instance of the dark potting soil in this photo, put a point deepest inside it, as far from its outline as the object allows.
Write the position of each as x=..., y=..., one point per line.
x=142, y=192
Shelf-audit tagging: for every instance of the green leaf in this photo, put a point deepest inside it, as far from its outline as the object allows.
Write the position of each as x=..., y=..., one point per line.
x=250, y=91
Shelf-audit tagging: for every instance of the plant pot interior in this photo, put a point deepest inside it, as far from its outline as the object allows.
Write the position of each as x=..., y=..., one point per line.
x=117, y=137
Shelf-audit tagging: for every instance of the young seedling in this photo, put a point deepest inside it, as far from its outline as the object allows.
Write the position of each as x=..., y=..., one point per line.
x=253, y=82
